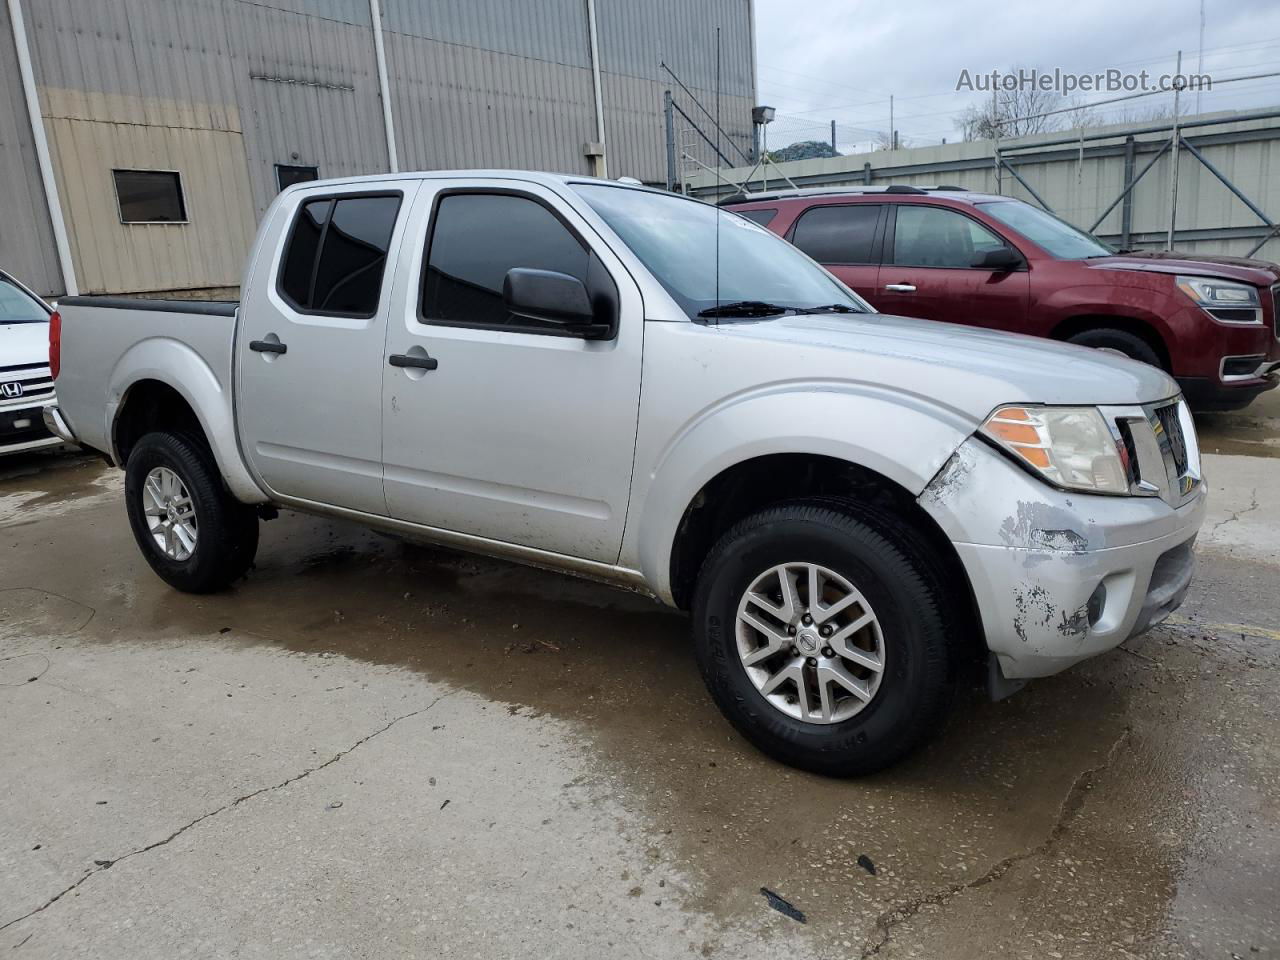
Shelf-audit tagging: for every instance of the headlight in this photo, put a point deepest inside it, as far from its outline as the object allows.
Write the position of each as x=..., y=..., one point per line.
x=1070, y=447
x=1223, y=300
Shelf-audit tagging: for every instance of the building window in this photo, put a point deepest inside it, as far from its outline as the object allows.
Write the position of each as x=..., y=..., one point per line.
x=150, y=196
x=287, y=175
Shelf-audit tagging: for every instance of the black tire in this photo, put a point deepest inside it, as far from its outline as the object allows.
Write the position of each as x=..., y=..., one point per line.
x=918, y=683
x=227, y=530
x=1121, y=341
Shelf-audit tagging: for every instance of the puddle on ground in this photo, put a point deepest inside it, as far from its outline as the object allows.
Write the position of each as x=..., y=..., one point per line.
x=620, y=666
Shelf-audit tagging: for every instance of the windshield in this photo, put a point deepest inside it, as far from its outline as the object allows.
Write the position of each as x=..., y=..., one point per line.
x=1058, y=237
x=675, y=238
x=17, y=306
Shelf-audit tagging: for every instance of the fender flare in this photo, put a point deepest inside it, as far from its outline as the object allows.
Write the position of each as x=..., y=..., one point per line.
x=859, y=424
x=178, y=366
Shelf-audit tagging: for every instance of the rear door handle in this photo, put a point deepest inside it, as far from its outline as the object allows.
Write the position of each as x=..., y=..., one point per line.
x=407, y=360
x=268, y=346
x=901, y=287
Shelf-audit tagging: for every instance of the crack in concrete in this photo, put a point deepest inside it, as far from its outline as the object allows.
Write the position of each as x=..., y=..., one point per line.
x=1239, y=513
x=101, y=865
x=1071, y=804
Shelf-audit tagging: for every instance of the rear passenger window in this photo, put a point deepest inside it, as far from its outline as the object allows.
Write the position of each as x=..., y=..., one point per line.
x=762, y=217
x=839, y=233
x=337, y=255
x=475, y=239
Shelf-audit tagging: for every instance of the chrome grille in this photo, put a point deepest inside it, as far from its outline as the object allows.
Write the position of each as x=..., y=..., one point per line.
x=1171, y=427
x=35, y=382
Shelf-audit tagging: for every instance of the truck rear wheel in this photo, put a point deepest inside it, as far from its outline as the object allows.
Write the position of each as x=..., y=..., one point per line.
x=194, y=534
x=821, y=638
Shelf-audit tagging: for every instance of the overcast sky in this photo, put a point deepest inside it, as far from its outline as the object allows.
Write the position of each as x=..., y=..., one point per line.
x=823, y=60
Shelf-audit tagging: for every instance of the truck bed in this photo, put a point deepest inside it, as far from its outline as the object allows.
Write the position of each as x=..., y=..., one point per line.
x=109, y=343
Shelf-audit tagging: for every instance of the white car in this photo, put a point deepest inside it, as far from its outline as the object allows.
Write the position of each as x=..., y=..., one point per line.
x=26, y=384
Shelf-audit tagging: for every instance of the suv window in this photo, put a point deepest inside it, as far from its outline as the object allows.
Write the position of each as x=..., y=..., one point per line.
x=337, y=254
x=762, y=217
x=475, y=239
x=838, y=233
x=935, y=237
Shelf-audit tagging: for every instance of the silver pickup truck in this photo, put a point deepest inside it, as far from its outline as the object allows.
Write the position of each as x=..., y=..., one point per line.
x=615, y=382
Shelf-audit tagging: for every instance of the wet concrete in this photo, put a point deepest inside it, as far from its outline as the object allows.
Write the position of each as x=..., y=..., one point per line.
x=1251, y=432
x=597, y=804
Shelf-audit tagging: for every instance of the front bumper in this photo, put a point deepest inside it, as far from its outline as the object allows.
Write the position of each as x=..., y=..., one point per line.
x=24, y=426
x=1060, y=577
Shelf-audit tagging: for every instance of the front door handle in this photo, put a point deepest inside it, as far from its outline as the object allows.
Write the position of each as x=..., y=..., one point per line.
x=268, y=346
x=901, y=287
x=408, y=360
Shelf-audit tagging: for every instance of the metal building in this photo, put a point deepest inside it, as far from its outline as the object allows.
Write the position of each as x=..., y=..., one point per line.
x=171, y=124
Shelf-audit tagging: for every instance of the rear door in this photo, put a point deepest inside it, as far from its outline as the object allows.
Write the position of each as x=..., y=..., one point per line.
x=928, y=271
x=846, y=239
x=509, y=429
x=309, y=348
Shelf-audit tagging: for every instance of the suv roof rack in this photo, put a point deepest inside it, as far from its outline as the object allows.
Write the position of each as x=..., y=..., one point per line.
x=748, y=197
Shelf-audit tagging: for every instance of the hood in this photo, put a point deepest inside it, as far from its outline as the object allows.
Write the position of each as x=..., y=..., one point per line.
x=1260, y=273
x=23, y=343
x=966, y=369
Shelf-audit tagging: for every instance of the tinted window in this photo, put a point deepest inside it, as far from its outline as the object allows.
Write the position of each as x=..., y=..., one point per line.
x=300, y=257
x=337, y=254
x=475, y=240
x=287, y=175
x=17, y=307
x=149, y=196
x=354, y=255
x=762, y=217
x=840, y=233
x=934, y=237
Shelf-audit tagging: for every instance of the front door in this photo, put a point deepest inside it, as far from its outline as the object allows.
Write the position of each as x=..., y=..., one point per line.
x=498, y=426
x=309, y=349
x=928, y=271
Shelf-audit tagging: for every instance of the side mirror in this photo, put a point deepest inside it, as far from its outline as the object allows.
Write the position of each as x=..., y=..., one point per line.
x=548, y=296
x=1001, y=258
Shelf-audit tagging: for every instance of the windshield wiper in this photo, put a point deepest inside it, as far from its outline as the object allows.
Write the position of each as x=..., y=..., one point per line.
x=829, y=308
x=745, y=308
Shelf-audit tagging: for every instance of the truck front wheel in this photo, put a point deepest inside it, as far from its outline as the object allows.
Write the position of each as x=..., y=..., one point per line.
x=194, y=534
x=821, y=637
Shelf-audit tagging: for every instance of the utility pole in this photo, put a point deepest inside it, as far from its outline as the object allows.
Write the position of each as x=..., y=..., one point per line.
x=833, y=138
x=893, y=134
x=1176, y=144
x=1200, y=57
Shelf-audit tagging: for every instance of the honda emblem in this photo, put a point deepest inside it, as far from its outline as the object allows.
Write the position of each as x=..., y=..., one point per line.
x=11, y=390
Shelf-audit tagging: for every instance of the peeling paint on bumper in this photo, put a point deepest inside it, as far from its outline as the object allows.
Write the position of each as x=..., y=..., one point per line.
x=1060, y=577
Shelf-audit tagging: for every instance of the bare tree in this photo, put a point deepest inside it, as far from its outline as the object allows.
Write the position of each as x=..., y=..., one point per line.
x=1013, y=113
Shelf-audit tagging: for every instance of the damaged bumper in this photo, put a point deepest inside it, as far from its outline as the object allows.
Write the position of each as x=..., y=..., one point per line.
x=1059, y=577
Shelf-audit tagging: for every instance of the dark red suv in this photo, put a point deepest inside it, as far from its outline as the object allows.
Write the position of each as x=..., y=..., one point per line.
x=946, y=254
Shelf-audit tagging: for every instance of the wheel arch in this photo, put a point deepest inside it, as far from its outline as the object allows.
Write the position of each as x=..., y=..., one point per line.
x=163, y=383
x=1142, y=328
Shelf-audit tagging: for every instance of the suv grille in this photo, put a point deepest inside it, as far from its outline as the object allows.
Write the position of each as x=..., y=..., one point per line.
x=1172, y=430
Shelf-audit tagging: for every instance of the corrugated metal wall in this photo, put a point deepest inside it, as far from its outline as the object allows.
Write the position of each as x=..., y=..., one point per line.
x=1210, y=219
x=224, y=90
x=26, y=237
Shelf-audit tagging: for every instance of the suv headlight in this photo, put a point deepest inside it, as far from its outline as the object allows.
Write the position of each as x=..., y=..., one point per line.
x=1070, y=447
x=1223, y=300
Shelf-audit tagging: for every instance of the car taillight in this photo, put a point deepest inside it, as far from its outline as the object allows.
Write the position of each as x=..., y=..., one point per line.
x=55, y=343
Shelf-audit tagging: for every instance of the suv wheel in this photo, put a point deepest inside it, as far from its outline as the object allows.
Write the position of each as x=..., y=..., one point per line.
x=1118, y=341
x=194, y=534
x=820, y=636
